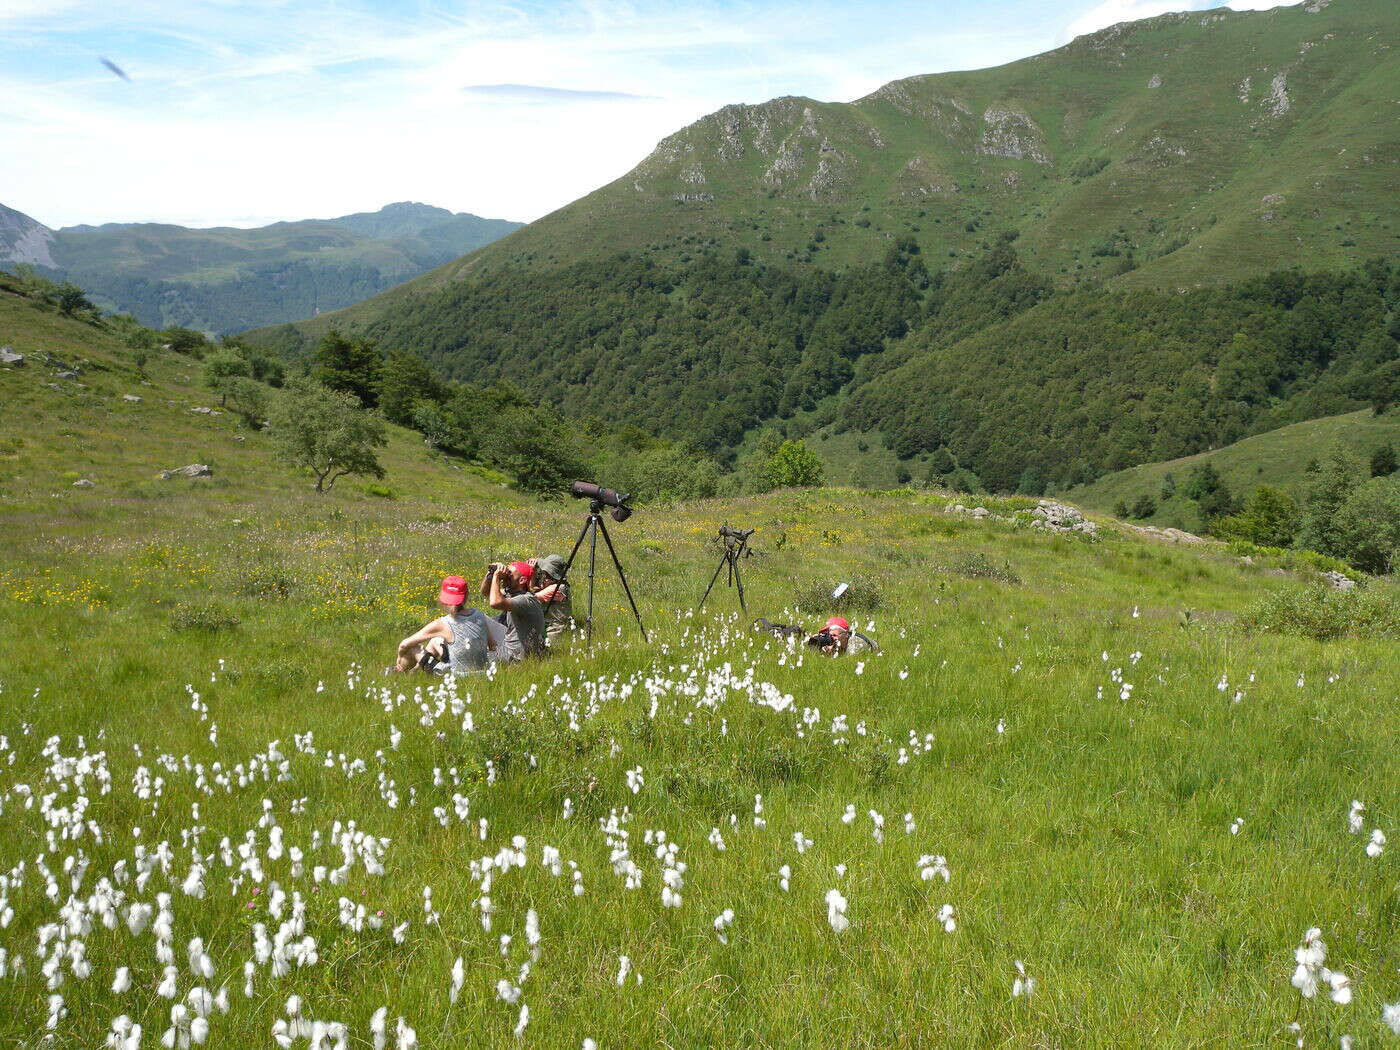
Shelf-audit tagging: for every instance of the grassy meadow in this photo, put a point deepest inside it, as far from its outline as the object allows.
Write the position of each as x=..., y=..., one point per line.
x=1138, y=798
x=1279, y=458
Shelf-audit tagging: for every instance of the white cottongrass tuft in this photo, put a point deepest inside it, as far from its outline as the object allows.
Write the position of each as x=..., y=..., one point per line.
x=723, y=921
x=1024, y=985
x=836, y=911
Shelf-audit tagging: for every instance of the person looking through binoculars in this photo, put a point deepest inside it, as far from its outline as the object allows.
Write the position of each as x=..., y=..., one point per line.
x=507, y=589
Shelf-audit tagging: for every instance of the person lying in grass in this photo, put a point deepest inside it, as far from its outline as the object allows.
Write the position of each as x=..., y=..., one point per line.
x=459, y=642
x=834, y=639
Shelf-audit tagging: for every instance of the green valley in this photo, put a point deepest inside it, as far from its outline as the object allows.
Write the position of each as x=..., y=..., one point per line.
x=226, y=280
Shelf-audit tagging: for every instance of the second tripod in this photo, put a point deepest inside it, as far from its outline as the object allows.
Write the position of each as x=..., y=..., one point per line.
x=736, y=546
x=591, y=528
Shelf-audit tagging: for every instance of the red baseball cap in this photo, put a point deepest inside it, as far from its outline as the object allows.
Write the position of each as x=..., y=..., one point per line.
x=836, y=621
x=454, y=591
x=524, y=569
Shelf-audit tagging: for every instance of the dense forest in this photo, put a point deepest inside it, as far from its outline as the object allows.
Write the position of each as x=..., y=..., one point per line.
x=988, y=367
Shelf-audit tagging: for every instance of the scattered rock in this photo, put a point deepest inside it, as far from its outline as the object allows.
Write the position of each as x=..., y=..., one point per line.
x=194, y=470
x=1048, y=515
x=83, y=483
x=1055, y=516
x=203, y=411
x=1168, y=534
x=132, y=398
x=1277, y=102
x=66, y=374
x=9, y=357
x=1156, y=81
x=1339, y=580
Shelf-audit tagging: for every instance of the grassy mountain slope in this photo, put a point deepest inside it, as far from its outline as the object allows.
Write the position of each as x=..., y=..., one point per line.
x=226, y=280
x=1278, y=458
x=1204, y=145
x=64, y=430
x=1053, y=726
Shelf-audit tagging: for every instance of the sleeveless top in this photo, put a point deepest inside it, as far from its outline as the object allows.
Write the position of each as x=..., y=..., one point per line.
x=467, y=651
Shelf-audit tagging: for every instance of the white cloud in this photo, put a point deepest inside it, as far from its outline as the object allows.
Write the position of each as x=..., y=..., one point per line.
x=496, y=107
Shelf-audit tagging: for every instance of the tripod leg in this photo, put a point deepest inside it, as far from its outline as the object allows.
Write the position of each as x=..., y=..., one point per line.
x=577, y=544
x=723, y=562
x=594, y=524
x=739, y=583
x=623, y=577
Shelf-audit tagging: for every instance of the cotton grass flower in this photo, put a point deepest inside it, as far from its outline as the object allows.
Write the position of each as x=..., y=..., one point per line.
x=948, y=918
x=836, y=911
x=459, y=976
x=1310, y=956
x=1024, y=985
x=1390, y=1017
x=1356, y=816
x=932, y=865
x=1376, y=846
x=723, y=921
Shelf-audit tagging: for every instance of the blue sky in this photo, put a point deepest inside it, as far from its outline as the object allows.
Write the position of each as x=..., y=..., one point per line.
x=244, y=112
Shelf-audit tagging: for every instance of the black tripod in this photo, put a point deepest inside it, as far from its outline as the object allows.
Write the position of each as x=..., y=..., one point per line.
x=591, y=528
x=736, y=546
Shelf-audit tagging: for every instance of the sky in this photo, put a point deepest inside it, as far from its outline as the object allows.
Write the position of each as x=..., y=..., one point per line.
x=246, y=112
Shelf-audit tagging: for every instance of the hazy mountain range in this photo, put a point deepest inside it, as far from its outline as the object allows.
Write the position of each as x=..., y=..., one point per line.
x=225, y=280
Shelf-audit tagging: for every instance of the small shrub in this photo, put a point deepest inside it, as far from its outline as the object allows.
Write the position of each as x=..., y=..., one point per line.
x=382, y=491
x=1325, y=615
x=188, y=617
x=977, y=566
x=267, y=584
x=865, y=594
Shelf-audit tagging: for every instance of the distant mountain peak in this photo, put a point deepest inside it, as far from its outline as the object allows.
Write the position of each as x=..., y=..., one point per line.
x=24, y=240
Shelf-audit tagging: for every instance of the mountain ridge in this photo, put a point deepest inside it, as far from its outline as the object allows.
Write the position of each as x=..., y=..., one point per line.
x=224, y=279
x=1170, y=152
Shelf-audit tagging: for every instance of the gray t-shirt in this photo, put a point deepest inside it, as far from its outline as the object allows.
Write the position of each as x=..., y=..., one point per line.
x=468, y=649
x=525, y=630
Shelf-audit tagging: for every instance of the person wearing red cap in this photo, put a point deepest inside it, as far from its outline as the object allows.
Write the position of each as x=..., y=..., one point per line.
x=509, y=591
x=833, y=638
x=459, y=642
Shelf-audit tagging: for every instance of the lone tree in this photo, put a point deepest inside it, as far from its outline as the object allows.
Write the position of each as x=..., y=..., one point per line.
x=71, y=299
x=325, y=431
x=793, y=465
x=219, y=368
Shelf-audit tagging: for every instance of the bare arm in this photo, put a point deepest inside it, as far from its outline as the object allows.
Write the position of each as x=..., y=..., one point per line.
x=436, y=629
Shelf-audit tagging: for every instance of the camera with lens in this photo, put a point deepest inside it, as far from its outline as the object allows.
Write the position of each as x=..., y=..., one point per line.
x=602, y=497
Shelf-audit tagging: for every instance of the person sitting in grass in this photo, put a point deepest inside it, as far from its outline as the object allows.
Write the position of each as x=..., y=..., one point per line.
x=509, y=591
x=459, y=642
x=553, y=589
